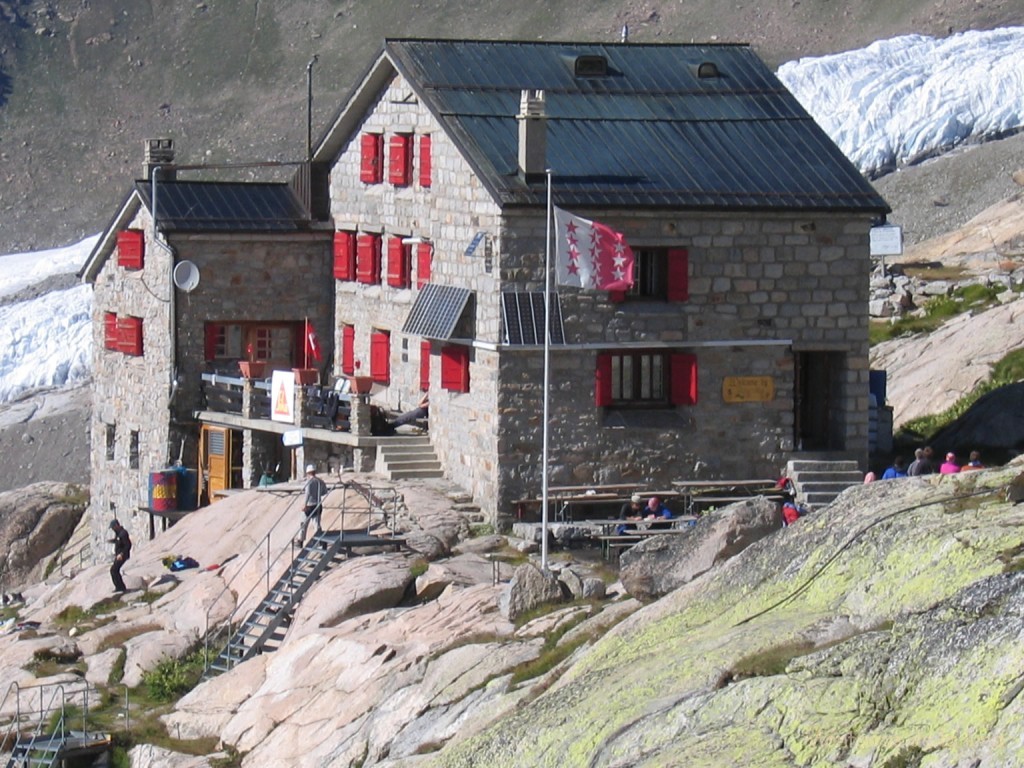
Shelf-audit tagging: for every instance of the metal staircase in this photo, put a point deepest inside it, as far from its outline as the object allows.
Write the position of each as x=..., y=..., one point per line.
x=266, y=624
x=265, y=627
x=40, y=737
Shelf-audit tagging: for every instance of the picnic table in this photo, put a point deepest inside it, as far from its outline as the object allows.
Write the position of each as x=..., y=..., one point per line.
x=613, y=541
x=703, y=493
x=566, y=499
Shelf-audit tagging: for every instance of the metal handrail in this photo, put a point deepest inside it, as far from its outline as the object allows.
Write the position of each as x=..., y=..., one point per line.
x=228, y=627
x=12, y=736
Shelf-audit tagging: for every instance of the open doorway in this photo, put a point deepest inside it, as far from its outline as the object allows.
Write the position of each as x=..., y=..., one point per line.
x=818, y=397
x=220, y=461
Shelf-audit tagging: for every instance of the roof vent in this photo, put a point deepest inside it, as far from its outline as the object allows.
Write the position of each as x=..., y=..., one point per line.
x=590, y=65
x=707, y=70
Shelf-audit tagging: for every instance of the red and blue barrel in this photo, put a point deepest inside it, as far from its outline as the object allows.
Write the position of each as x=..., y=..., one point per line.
x=163, y=490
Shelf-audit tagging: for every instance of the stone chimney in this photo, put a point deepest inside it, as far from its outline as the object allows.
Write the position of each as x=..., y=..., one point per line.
x=533, y=129
x=159, y=153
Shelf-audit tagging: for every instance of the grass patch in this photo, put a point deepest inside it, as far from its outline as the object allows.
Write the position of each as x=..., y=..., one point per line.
x=968, y=298
x=476, y=530
x=173, y=678
x=418, y=567
x=1008, y=370
x=551, y=656
x=770, y=661
x=907, y=757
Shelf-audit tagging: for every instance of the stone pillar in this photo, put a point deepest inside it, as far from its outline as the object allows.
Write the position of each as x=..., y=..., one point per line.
x=363, y=459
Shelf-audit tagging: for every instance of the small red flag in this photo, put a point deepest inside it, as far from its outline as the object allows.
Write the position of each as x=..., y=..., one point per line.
x=312, y=343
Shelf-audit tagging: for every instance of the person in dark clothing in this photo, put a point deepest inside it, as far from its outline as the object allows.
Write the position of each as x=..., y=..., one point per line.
x=122, y=551
x=421, y=411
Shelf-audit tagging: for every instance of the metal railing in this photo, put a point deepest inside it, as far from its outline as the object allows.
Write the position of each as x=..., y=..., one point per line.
x=31, y=728
x=383, y=502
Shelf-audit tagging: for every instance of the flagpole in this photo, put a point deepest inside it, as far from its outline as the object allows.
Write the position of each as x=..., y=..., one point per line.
x=547, y=377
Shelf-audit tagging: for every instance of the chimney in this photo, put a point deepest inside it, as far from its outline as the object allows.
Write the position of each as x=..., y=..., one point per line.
x=159, y=153
x=532, y=134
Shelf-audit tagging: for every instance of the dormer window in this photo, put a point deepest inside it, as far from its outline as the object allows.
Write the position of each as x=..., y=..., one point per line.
x=707, y=70
x=590, y=66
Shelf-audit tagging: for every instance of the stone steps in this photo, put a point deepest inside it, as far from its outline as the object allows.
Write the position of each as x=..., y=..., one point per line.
x=408, y=457
x=818, y=482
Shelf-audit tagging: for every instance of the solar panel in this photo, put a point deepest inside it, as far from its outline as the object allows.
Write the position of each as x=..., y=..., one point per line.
x=436, y=311
x=522, y=314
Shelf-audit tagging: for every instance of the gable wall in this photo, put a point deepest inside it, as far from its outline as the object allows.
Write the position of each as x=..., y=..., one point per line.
x=130, y=393
x=451, y=212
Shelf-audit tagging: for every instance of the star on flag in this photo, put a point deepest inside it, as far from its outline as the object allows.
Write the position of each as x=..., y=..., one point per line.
x=606, y=261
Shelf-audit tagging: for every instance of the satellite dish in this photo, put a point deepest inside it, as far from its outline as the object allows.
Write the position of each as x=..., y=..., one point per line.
x=186, y=276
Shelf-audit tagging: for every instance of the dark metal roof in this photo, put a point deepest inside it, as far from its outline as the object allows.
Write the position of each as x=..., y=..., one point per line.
x=204, y=206
x=648, y=133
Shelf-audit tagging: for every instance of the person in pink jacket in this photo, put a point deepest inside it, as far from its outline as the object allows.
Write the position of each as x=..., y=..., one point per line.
x=949, y=466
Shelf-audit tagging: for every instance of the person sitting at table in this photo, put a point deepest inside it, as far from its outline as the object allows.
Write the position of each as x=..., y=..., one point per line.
x=631, y=510
x=656, y=510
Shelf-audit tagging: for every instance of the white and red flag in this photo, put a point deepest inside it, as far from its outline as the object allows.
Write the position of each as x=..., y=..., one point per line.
x=312, y=344
x=591, y=255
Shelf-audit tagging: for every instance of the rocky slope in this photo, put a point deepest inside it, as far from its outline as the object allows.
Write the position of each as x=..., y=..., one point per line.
x=883, y=630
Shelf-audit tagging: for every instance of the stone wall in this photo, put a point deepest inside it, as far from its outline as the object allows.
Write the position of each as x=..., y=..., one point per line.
x=130, y=394
x=268, y=278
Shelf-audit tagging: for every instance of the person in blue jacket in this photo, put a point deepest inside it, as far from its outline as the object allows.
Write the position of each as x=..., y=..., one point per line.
x=898, y=469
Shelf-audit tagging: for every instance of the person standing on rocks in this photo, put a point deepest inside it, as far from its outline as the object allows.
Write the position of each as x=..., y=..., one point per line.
x=122, y=551
x=315, y=490
x=949, y=466
x=923, y=464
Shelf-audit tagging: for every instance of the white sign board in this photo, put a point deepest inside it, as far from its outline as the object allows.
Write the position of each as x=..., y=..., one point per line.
x=886, y=240
x=292, y=438
x=282, y=397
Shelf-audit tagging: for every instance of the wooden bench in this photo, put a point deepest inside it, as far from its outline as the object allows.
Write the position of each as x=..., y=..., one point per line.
x=617, y=542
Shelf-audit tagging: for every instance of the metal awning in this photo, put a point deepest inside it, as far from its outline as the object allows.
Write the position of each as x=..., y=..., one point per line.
x=436, y=311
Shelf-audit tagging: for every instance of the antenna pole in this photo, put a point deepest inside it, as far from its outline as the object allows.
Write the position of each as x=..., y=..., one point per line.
x=309, y=107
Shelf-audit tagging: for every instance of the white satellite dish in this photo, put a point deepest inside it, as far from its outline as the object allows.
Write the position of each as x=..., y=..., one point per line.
x=186, y=276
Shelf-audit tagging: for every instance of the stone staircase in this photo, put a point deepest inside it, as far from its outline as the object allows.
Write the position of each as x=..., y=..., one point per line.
x=818, y=482
x=407, y=457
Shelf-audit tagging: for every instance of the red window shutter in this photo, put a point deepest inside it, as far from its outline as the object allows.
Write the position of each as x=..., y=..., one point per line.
x=424, y=366
x=344, y=255
x=398, y=263
x=678, y=274
x=130, y=335
x=455, y=368
x=368, y=259
x=348, y=349
x=400, y=160
x=684, y=379
x=371, y=168
x=425, y=161
x=380, y=356
x=616, y=297
x=111, y=339
x=424, y=257
x=603, y=381
x=213, y=332
x=130, y=246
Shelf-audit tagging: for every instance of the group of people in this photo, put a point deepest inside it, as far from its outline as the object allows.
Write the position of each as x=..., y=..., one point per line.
x=924, y=463
x=635, y=510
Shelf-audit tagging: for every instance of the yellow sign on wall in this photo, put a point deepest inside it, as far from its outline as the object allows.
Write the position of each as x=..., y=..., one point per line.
x=748, y=389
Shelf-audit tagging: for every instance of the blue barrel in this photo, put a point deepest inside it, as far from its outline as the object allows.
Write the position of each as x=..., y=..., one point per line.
x=188, y=489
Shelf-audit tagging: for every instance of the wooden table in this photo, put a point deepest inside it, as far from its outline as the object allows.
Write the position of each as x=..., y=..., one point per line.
x=696, y=492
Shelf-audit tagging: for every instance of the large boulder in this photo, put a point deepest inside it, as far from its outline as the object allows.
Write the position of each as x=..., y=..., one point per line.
x=36, y=522
x=660, y=564
x=530, y=587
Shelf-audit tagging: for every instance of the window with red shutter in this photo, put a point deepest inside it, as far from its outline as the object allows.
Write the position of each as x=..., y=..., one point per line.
x=371, y=168
x=678, y=274
x=398, y=262
x=400, y=159
x=130, y=248
x=214, y=342
x=380, y=356
x=455, y=368
x=130, y=335
x=344, y=255
x=368, y=259
x=424, y=258
x=348, y=349
x=425, y=161
x=424, y=366
x=684, y=379
x=111, y=339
